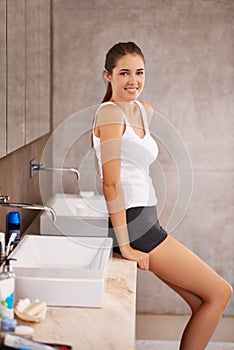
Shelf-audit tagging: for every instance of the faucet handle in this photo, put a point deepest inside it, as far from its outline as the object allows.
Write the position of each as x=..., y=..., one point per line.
x=4, y=199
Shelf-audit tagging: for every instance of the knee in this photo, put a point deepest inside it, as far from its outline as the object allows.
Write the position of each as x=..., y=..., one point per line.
x=229, y=292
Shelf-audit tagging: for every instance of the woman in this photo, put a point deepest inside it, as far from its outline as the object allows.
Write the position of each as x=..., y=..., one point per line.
x=124, y=150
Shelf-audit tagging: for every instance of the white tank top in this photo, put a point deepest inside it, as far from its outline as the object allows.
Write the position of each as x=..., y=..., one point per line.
x=137, y=154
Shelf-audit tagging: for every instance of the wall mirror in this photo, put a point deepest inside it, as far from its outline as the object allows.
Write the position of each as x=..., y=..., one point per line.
x=25, y=30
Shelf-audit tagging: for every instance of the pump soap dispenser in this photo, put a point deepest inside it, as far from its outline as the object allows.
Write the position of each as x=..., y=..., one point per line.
x=7, y=290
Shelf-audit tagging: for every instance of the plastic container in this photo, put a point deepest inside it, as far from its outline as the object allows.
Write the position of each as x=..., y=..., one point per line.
x=7, y=291
x=13, y=225
x=8, y=325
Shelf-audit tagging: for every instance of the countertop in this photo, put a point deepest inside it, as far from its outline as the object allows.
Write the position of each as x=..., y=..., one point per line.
x=110, y=327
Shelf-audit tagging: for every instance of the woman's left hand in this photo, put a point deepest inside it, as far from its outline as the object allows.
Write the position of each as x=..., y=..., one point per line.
x=141, y=258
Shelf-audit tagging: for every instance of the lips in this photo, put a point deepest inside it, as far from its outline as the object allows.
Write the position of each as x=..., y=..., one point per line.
x=131, y=90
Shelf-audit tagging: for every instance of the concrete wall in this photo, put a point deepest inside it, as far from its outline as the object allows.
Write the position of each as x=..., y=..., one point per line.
x=189, y=53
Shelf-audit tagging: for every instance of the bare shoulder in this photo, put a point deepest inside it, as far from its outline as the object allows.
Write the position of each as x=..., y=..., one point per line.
x=109, y=114
x=149, y=110
x=147, y=106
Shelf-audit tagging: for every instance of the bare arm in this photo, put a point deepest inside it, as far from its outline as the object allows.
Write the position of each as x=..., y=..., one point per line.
x=110, y=128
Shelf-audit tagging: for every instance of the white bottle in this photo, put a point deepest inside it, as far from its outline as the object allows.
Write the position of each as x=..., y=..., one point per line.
x=7, y=291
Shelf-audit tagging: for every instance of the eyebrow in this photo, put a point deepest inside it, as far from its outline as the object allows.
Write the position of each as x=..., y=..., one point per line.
x=128, y=70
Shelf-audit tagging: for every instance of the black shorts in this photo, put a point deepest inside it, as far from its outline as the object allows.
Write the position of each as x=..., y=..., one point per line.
x=144, y=230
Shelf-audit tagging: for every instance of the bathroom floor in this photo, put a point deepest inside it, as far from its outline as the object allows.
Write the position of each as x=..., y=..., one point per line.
x=161, y=332
x=173, y=345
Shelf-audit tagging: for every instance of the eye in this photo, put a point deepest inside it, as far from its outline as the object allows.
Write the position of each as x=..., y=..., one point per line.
x=140, y=73
x=124, y=73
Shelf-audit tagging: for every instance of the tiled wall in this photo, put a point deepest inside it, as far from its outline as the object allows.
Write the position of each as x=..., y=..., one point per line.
x=189, y=60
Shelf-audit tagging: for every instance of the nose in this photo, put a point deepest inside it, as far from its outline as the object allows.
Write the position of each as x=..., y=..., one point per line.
x=132, y=79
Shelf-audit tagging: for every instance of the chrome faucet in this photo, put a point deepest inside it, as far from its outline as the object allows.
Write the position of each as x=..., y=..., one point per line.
x=37, y=167
x=4, y=202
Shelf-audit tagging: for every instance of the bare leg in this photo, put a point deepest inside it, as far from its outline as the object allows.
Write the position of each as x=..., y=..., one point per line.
x=205, y=291
x=191, y=299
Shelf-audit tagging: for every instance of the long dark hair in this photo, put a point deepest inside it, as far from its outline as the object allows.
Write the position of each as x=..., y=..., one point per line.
x=113, y=55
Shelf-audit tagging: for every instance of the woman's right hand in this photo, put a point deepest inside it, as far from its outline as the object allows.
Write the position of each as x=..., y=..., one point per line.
x=141, y=258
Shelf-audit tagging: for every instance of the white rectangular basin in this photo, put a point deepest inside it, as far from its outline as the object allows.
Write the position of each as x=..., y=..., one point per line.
x=76, y=216
x=62, y=271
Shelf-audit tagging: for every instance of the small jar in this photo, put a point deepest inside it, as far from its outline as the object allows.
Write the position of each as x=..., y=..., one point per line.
x=8, y=325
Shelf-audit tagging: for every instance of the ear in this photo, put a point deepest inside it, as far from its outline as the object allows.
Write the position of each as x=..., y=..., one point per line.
x=107, y=76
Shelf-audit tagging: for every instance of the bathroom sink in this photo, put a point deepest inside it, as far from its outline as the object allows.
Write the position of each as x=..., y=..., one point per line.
x=62, y=271
x=76, y=216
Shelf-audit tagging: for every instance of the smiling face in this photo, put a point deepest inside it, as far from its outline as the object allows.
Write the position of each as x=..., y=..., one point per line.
x=127, y=78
